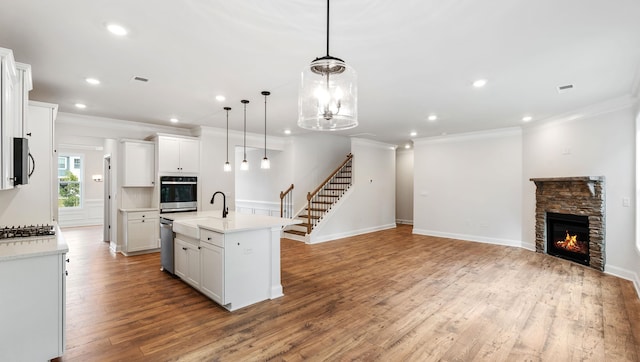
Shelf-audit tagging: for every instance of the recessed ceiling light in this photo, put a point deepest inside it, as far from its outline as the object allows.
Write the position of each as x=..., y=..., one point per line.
x=432, y=117
x=221, y=98
x=116, y=29
x=80, y=105
x=526, y=118
x=174, y=120
x=287, y=131
x=407, y=146
x=413, y=133
x=480, y=83
x=93, y=81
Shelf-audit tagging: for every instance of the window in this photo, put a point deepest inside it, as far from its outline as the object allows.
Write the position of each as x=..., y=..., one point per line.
x=69, y=181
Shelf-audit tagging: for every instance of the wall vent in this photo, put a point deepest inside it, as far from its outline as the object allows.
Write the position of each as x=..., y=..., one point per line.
x=140, y=79
x=565, y=88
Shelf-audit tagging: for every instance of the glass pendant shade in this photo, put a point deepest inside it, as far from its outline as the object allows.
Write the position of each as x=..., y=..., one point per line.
x=244, y=166
x=227, y=165
x=265, y=163
x=328, y=97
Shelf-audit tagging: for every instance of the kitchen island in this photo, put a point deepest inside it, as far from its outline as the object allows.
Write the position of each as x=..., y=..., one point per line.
x=235, y=261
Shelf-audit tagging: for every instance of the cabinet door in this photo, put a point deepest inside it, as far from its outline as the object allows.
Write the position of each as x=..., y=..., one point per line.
x=7, y=74
x=189, y=155
x=180, y=255
x=142, y=234
x=168, y=154
x=139, y=159
x=193, y=265
x=212, y=276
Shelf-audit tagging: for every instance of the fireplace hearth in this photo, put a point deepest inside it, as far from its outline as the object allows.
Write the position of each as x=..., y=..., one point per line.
x=570, y=219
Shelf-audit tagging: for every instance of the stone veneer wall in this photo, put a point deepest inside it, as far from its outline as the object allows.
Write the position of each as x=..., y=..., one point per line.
x=575, y=196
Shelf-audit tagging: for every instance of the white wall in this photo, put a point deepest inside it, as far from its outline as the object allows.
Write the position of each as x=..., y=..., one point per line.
x=313, y=157
x=370, y=204
x=600, y=145
x=469, y=187
x=404, y=186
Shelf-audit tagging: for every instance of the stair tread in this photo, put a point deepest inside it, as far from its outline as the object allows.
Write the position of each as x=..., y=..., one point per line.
x=328, y=195
x=296, y=232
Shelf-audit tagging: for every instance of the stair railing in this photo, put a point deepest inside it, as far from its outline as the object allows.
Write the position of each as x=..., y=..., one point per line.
x=286, y=203
x=314, y=214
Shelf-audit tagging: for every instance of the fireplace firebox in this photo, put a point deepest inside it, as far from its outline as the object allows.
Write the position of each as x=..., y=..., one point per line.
x=568, y=237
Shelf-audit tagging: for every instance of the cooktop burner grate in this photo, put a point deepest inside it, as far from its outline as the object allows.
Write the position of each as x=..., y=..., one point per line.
x=9, y=232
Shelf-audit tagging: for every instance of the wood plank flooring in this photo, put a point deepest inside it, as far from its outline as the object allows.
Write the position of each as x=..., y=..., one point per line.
x=385, y=296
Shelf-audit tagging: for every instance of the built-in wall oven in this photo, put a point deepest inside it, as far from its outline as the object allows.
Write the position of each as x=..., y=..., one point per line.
x=178, y=193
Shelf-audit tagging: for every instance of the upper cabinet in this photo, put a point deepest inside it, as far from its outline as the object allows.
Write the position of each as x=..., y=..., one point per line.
x=138, y=160
x=178, y=154
x=15, y=84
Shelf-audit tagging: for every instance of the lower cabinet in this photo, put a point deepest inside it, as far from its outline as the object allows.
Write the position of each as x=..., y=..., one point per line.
x=32, y=308
x=212, y=266
x=187, y=261
x=233, y=269
x=141, y=231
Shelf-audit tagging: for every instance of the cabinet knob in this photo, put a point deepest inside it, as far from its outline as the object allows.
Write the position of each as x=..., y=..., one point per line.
x=209, y=238
x=183, y=248
x=199, y=247
x=66, y=272
x=67, y=260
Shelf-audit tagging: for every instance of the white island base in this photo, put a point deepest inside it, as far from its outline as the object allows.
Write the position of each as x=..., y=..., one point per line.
x=234, y=261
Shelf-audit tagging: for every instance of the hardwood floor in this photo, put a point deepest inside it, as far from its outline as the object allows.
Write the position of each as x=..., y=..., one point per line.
x=387, y=296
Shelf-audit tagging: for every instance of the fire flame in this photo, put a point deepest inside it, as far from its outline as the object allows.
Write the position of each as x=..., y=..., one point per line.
x=571, y=243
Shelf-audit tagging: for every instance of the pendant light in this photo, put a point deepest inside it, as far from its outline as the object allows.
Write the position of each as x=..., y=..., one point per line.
x=244, y=166
x=265, y=163
x=328, y=98
x=227, y=165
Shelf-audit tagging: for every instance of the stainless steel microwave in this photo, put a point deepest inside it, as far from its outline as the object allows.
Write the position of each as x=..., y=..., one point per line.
x=178, y=193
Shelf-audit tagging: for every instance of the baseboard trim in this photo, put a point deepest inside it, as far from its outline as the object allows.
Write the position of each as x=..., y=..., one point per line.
x=479, y=239
x=337, y=236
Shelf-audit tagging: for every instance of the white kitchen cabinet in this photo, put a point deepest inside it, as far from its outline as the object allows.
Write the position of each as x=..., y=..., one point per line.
x=212, y=266
x=187, y=260
x=21, y=100
x=8, y=85
x=32, y=308
x=138, y=163
x=178, y=154
x=141, y=232
x=37, y=201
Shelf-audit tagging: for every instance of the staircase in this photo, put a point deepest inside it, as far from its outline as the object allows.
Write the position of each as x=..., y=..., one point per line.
x=321, y=200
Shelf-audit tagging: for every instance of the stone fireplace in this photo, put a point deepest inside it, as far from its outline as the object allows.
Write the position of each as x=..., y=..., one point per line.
x=570, y=219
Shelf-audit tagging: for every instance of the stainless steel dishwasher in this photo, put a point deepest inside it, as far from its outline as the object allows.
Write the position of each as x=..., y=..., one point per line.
x=166, y=245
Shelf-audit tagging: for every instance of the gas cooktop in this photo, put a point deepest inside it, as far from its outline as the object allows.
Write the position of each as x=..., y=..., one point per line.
x=26, y=231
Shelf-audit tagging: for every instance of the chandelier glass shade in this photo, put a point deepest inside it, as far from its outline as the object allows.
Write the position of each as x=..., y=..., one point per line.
x=328, y=96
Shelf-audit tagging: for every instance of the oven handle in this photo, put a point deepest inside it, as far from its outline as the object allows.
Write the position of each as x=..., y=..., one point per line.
x=178, y=183
x=179, y=210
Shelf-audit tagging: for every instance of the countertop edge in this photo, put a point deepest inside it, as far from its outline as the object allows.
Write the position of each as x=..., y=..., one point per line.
x=60, y=247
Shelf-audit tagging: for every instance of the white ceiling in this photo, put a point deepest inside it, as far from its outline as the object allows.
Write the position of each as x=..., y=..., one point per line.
x=413, y=58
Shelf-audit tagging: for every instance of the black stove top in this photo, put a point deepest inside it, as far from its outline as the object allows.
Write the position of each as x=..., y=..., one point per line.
x=8, y=232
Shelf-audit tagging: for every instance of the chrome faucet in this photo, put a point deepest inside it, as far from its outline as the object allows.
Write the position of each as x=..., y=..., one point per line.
x=225, y=209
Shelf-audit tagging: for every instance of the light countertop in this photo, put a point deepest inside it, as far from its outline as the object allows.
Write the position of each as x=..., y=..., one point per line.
x=19, y=248
x=234, y=222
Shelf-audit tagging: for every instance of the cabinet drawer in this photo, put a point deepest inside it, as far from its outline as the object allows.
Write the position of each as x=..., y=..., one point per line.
x=212, y=237
x=141, y=215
